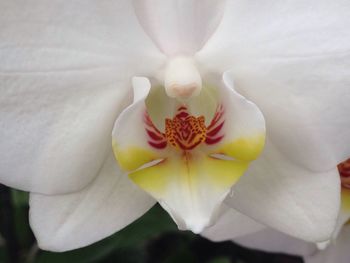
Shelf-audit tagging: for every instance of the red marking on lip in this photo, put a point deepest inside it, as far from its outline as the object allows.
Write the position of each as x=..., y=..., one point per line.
x=182, y=115
x=344, y=172
x=160, y=145
x=215, y=126
x=156, y=138
x=218, y=115
x=185, y=131
x=211, y=141
x=216, y=130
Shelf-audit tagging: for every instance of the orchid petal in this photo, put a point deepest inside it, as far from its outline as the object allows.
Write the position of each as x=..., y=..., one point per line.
x=231, y=224
x=312, y=103
x=271, y=240
x=295, y=72
x=298, y=79
x=55, y=128
x=41, y=36
x=109, y=203
x=268, y=239
x=179, y=27
x=289, y=30
x=288, y=197
x=63, y=82
x=336, y=252
x=186, y=170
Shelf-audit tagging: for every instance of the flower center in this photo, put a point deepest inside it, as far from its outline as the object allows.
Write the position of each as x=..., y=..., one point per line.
x=344, y=171
x=184, y=131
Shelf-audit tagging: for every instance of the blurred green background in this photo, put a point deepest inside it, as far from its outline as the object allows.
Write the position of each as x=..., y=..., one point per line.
x=153, y=238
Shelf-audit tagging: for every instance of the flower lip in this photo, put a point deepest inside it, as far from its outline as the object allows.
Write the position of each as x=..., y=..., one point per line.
x=191, y=175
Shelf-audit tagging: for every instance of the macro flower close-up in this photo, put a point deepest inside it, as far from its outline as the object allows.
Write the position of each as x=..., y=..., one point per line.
x=232, y=115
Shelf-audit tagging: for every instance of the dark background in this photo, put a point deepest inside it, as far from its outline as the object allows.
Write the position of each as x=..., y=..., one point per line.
x=153, y=238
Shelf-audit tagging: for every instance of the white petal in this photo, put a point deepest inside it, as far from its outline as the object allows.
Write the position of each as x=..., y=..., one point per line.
x=65, y=70
x=288, y=197
x=283, y=30
x=55, y=127
x=65, y=222
x=305, y=104
x=273, y=241
x=294, y=71
x=180, y=26
x=42, y=36
x=343, y=218
x=304, y=99
x=323, y=245
x=231, y=224
x=308, y=128
x=337, y=252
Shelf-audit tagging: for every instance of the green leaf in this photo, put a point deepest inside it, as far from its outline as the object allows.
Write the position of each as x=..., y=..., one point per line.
x=20, y=204
x=19, y=198
x=3, y=254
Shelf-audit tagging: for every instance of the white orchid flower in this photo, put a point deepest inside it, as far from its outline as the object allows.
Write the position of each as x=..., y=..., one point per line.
x=207, y=77
x=334, y=250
